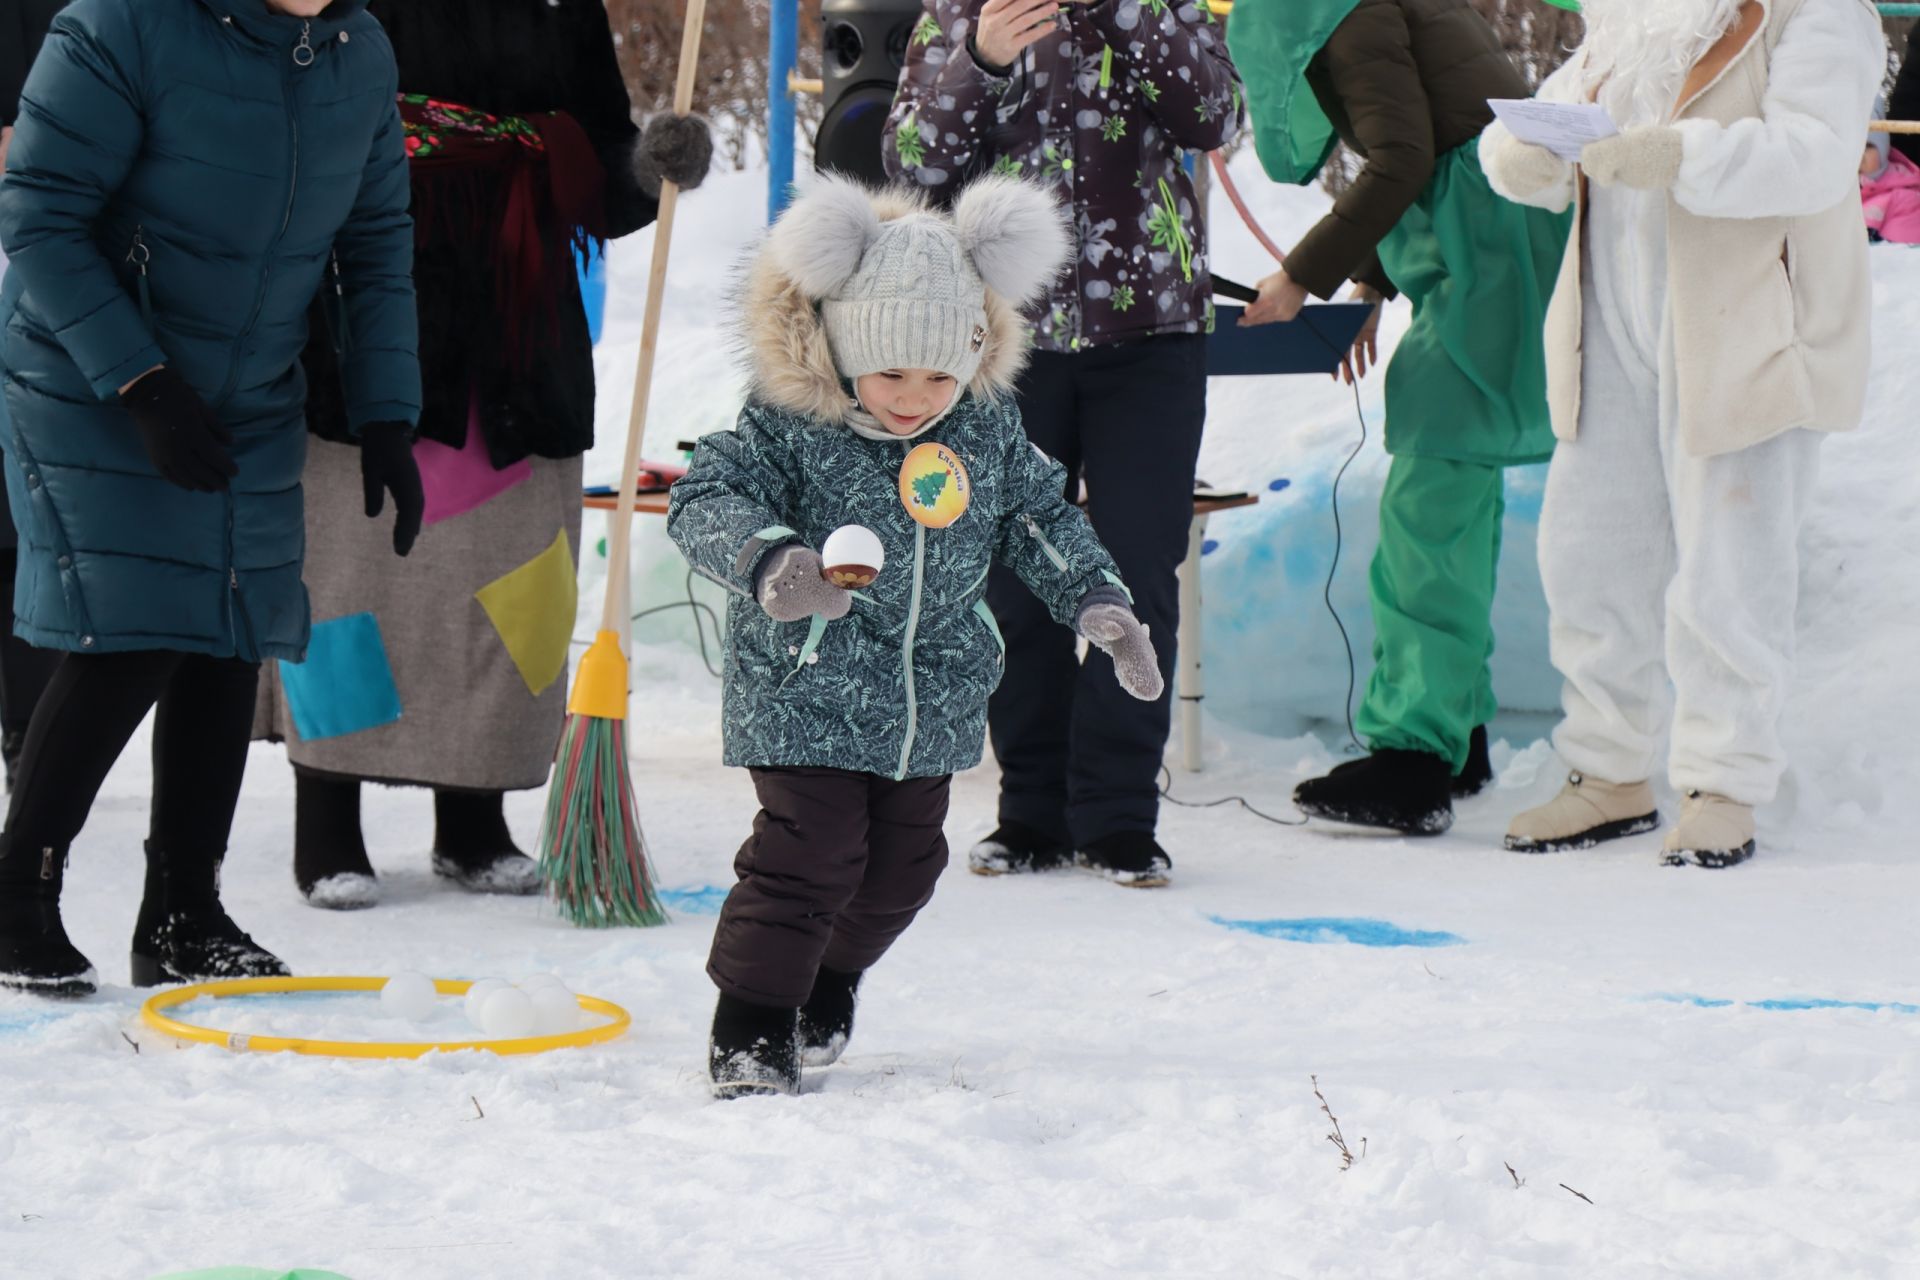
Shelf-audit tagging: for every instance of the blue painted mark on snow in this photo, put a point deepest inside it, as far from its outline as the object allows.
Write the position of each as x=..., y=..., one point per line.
x=1210, y=546
x=1363, y=933
x=1279, y=485
x=703, y=901
x=1788, y=1004
x=26, y=1022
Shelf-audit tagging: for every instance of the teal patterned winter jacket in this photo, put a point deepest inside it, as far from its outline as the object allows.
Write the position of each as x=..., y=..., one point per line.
x=899, y=686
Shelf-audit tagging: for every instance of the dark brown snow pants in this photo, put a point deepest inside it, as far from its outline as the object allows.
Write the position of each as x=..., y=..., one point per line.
x=838, y=865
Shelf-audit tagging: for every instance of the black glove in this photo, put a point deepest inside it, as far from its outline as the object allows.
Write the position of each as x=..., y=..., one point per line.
x=386, y=464
x=184, y=439
x=676, y=149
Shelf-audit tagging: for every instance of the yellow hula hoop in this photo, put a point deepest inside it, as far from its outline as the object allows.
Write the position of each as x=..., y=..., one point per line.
x=151, y=1013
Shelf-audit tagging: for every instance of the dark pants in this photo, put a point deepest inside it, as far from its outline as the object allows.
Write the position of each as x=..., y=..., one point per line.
x=838, y=865
x=24, y=670
x=1079, y=757
x=92, y=706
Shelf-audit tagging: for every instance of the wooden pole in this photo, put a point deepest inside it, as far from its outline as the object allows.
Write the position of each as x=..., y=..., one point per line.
x=616, y=616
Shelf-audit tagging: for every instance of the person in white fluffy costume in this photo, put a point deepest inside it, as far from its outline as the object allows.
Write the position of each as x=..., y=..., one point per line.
x=1709, y=325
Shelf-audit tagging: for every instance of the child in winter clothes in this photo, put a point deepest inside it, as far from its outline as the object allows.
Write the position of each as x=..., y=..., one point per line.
x=884, y=339
x=1890, y=192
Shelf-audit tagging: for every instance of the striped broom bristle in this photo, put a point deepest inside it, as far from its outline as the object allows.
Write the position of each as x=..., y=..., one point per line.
x=593, y=854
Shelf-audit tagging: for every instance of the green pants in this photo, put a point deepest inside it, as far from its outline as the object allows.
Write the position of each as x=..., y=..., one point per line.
x=1432, y=583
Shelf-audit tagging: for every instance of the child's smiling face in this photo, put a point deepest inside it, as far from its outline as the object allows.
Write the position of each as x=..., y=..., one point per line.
x=901, y=400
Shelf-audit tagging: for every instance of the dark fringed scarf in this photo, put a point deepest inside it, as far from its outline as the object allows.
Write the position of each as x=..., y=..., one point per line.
x=532, y=187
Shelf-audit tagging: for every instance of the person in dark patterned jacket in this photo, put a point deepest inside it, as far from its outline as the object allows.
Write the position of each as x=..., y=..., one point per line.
x=1104, y=101
x=884, y=340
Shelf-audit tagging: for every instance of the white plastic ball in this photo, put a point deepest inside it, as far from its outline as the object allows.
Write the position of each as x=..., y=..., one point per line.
x=477, y=996
x=410, y=996
x=853, y=544
x=555, y=1011
x=507, y=1014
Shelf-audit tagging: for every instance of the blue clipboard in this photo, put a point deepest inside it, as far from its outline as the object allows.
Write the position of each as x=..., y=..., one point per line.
x=1316, y=342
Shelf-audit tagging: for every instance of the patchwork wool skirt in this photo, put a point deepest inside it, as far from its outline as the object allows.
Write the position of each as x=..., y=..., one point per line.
x=448, y=667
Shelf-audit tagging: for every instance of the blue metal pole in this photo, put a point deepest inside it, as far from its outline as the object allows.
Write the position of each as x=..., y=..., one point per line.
x=783, y=55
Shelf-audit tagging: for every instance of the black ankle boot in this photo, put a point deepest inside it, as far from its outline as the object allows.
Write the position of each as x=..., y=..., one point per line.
x=183, y=934
x=754, y=1050
x=35, y=953
x=1015, y=848
x=330, y=862
x=1477, y=772
x=473, y=847
x=826, y=1019
x=1406, y=791
x=1130, y=858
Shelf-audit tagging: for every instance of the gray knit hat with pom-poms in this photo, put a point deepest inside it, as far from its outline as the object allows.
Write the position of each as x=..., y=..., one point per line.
x=910, y=292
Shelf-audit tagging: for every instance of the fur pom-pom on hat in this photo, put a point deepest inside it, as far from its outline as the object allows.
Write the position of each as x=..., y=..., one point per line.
x=1015, y=234
x=820, y=240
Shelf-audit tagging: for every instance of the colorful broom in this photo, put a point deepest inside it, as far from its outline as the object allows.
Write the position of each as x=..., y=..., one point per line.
x=593, y=853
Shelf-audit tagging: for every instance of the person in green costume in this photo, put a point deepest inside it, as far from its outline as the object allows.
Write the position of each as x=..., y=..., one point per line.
x=1405, y=84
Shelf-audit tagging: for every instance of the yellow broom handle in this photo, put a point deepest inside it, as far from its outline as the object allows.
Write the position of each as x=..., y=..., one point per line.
x=616, y=616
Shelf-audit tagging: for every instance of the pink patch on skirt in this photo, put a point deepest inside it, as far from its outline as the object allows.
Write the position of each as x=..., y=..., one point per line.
x=458, y=480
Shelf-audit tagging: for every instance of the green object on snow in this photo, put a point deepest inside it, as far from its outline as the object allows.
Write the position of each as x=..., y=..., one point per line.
x=1573, y=5
x=252, y=1273
x=1432, y=585
x=1272, y=41
x=1469, y=380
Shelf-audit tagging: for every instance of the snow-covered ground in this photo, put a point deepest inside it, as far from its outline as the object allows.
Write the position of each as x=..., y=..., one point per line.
x=1582, y=1066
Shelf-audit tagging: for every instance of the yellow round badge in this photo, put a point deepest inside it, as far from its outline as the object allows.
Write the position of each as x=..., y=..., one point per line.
x=934, y=486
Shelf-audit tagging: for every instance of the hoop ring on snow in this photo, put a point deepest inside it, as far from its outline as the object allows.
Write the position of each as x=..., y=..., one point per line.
x=151, y=1013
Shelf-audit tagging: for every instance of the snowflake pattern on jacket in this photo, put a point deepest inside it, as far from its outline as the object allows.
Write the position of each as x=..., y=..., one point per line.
x=1104, y=114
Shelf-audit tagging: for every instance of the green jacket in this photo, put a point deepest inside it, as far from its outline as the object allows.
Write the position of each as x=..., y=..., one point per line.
x=1401, y=82
x=183, y=175
x=899, y=686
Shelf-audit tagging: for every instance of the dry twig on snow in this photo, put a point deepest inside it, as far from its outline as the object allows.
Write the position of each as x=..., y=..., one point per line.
x=1337, y=1138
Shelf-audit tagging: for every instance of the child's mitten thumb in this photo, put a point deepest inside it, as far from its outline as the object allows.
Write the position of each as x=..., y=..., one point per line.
x=1124, y=638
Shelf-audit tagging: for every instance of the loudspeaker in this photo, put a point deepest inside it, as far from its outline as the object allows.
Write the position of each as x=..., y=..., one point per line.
x=864, y=46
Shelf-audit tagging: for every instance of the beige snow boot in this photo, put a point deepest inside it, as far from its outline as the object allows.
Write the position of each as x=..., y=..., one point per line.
x=1713, y=831
x=1587, y=812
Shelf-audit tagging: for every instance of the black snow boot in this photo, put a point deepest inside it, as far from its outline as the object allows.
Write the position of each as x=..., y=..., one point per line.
x=1410, y=792
x=826, y=1019
x=35, y=953
x=183, y=934
x=473, y=847
x=754, y=1050
x=1016, y=849
x=330, y=861
x=1130, y=858
x=1477, y=772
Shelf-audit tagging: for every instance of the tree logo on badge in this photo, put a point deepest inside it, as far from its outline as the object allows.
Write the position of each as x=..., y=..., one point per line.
x=934, y=487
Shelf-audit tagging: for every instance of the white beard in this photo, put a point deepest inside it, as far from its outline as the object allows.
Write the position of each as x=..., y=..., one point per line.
x=1639, y=51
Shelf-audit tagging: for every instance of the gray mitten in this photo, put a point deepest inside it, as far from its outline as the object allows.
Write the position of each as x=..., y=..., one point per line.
x=790, y=586
x=1124, y=638
x=676, y=149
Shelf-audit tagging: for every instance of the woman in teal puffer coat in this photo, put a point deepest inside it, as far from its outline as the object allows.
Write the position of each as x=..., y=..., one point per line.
x=885, y=341
x=183, y=177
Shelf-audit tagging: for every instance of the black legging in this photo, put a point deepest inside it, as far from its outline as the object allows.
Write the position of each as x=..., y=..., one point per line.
x=24, y=670
x=92, y=706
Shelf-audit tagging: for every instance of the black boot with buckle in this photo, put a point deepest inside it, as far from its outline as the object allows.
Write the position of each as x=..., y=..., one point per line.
x=35, y=953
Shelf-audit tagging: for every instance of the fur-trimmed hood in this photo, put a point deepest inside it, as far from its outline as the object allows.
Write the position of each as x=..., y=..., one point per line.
x=785, y=344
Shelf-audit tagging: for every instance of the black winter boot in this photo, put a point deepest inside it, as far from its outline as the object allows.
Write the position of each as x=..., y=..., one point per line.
x=183, y=934
x=330, y=861
x=1130, y=858
x=1017, y=849
x=754, y=1050
x=473, y=847
x=35, y=953
x=1477, y=772
x=826, y=1019
x=1406, y=791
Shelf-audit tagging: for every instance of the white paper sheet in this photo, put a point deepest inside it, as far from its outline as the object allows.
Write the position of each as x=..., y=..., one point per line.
x=1561, y=127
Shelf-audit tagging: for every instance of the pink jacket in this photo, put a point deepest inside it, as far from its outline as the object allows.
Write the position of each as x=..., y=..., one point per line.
x=1893, y=200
